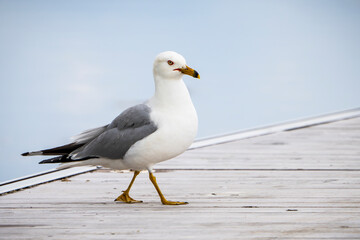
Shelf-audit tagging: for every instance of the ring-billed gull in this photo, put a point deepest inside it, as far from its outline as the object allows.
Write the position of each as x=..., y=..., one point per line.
x=143, y=135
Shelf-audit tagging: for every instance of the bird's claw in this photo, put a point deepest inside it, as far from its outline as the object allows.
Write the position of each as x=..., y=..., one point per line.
x=126, y=198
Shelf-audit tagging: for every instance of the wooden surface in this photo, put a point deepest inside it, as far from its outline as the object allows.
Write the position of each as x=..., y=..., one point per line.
x=300, y=184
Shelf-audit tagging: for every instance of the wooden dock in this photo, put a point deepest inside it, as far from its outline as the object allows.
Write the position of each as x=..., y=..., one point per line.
x=298, y=184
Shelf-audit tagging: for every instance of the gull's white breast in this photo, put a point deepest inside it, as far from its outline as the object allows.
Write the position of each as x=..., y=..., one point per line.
x=175, y=117
x=176, y=132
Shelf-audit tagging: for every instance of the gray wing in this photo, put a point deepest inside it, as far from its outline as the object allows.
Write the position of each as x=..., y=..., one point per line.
x=129, y=127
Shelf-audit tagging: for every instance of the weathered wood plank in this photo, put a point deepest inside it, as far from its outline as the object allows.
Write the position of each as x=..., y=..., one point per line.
x=248, y=189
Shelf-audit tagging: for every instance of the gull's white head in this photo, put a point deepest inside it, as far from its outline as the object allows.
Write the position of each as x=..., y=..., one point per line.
x=171, y=65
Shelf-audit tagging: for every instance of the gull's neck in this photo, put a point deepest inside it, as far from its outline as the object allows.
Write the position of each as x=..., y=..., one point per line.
x=170, y=93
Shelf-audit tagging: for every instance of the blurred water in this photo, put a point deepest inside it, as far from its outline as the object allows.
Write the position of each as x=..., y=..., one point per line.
x=69, y=66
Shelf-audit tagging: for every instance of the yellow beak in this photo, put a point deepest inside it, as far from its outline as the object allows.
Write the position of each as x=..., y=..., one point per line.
x=189, y=71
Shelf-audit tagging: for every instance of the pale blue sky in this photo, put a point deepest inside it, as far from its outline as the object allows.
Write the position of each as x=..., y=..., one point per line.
x=66, y=66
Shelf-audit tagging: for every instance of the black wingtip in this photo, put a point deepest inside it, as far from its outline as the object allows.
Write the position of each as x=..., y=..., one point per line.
x=55, y=160
x=45, y=161
x=65, y=158
x=25, y=154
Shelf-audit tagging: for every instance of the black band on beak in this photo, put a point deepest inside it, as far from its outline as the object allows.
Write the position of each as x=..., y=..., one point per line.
x=196, y=74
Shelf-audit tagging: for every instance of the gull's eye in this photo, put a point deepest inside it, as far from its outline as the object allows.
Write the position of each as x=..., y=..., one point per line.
x=170, y=62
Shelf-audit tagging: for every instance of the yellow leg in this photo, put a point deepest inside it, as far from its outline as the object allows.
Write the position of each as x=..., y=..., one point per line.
x=163, y=199
x=124, y=197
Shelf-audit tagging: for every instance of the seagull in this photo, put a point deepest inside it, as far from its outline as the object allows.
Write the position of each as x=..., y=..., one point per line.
x=159, y=129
